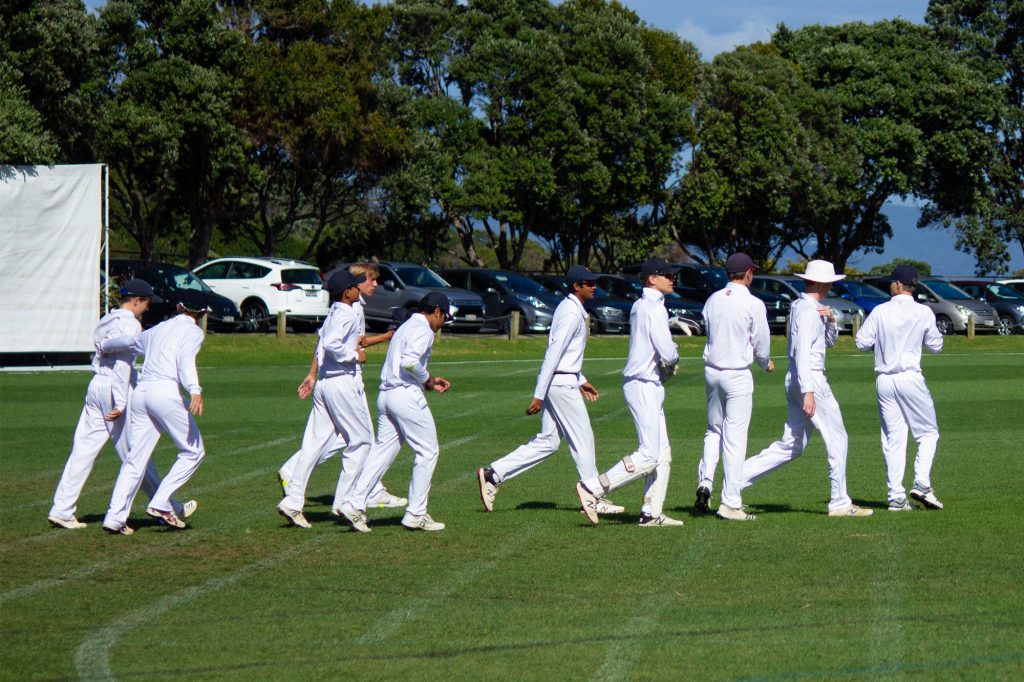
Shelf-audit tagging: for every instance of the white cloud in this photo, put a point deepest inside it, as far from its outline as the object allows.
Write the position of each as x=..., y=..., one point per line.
x=752, y=30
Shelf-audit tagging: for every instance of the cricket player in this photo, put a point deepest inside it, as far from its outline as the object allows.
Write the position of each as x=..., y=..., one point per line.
x=896, y=330
x=380, y=497
x=738, y=334
x=339, y=410
x=157, y=406
x=809, y=399
x=403, y=415
x=653, y=359
x=559, y=393
x=106, y=403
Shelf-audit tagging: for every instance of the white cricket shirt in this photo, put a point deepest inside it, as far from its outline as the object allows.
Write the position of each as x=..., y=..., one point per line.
x=650, y=339
x=339, y=341
x=170, y=349
x=408, y=354
x=566, y=342
x=737, y=324
x=810, y=333
x=896, y=330
x=114, y=338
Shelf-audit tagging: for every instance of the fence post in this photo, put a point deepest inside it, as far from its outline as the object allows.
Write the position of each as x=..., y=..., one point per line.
x=970, y=325
x=513, y=327
x=282, y=324
x=203, y=322
x=855, y=326
x=437, y=336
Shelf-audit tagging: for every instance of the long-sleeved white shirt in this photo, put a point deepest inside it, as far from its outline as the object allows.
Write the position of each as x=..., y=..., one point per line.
x=339, y=342
x=114, y=338
x=896, y=330
x=566, y=342
x=809, y=335
x=170, y=349
x=738, y=333
x=650, y=339
x=408, y=354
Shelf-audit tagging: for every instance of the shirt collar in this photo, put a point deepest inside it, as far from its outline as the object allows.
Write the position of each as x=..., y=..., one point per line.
x=578, y=302
x=737, y=287
x=653, y=294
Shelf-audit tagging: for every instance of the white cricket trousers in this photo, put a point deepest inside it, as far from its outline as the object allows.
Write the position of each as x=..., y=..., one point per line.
x=730, y=394
x=287, y=469
x=338, y=415
x=904, y=400
x=797, y=432
x=403, y=415
x=91, y=435
x=653, y=456
x=157, y=407
x=564, y=415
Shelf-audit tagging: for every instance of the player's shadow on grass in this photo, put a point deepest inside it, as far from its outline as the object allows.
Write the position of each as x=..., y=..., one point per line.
x=537, y=505
x=135, y=522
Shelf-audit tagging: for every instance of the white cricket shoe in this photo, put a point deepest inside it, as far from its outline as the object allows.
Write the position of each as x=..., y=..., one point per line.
x=733, y=514
x=123, y=530
x=900, y=505
x=606, y=506
x=385, y=500
x=588, y=501
x=70, y=524
x=189, y=508
x=355, y=518
x=294, y=517
x=648, y=521
x=851, y=510
x=167, y=517
x=422, y=522
x=925, y=496
x=488, y=490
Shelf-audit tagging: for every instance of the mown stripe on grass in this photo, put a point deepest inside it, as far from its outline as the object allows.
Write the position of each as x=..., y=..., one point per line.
x=889, y=668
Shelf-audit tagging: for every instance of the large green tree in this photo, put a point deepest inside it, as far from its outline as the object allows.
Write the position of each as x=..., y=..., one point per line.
x=987, y=207
x=167, y=128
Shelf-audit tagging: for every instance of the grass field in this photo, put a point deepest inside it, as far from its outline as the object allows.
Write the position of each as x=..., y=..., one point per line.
x=530, y=591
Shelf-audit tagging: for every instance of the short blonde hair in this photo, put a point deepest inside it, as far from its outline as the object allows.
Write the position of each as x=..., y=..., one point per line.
x=364, y=268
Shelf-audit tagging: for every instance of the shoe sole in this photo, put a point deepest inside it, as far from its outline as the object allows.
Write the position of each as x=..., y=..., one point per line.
x=427, y=530
x=119, y=531
x=160, y=517
x=590, y=513
x=482, y=483
x=58, y=524
x=924, y=502
x=703, y=502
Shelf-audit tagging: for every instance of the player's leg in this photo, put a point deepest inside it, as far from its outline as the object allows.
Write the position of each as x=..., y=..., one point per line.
x=382, y=453
x=418, y=429
x=739, y=400
x=919, y=409
x=143, y=435
x=894, y=438
x=174, y=419
x=347, y=408
x=795, y=434
x=644, y=401
x=570, y=413
x=656, y=483
x=90, y=436
x=319, y=436
x=532, y=453
x=828, y=419
x=713, y=435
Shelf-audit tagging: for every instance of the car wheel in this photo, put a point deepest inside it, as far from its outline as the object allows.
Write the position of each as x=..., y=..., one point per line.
x=944, y=325
x=1005, y=325
x=254, y=317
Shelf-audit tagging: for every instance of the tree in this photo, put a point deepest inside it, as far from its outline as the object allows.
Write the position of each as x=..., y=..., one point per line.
x=166, y=128
x=23, y=139
x=922, y=267
x=903, y=107
x=988, y=210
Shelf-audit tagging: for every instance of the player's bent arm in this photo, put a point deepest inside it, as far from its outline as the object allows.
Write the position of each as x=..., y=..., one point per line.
x=188, y=376
x=761, y=338
x=866, y=337
x=932, y=338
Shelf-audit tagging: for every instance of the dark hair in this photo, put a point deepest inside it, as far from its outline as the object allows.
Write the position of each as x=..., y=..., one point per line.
x=733, y=276
x=426, y=308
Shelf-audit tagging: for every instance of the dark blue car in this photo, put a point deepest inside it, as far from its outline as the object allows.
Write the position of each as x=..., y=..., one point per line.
x=864, y=295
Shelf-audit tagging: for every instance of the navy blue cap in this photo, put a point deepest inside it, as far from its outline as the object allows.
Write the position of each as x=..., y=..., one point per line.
x=904, y=274
x=436, y=299
x=342, y=280
x=657, y=266
x=194, y=301
x=580, y=273
x=140, y=287
x=739, y=262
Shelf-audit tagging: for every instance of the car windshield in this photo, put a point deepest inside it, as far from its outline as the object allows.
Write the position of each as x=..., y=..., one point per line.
x=301, y=276
x=1004, y=292
x=421, y=277
x=716, y=275
x=862, y=289
x=945, y=289
x=179, y=279
x=519, y=284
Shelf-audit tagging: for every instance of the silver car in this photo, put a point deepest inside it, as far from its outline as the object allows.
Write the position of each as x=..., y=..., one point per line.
x=951, y=305
x=790, y=287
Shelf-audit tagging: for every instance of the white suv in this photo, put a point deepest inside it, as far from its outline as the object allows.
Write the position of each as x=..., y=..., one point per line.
x=262, y=287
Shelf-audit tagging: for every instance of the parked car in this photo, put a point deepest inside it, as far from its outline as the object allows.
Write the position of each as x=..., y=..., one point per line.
x=790, y=287
x=263, y=287
x=683, y=310
x=1008, y=302
x=950, y=305
x=504, y=291
x=402, y=285
x=169, y=281
x=700, y=281
x=1017, y=284
x=861, y=293
x=608, y=314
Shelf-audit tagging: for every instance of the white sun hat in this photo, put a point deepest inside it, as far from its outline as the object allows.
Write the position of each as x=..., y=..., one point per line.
x=820, y=271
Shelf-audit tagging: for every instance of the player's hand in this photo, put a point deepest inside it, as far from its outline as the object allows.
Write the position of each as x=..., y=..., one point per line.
x=770, y=367
x=809, y=404
x=589, y=392
x=195, y=406
x=362, y=342
x=306, y=387
x=438, y=384
x=826, y=312
x=360, y=355
x=535, y=405
x=113, y=415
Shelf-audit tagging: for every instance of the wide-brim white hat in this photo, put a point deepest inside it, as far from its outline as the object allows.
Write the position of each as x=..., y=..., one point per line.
x=820, y=271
